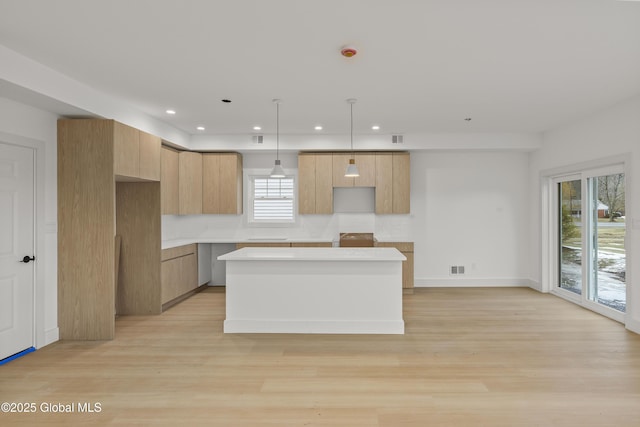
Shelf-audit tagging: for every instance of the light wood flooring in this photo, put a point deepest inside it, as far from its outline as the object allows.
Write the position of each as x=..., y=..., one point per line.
x=470, y=357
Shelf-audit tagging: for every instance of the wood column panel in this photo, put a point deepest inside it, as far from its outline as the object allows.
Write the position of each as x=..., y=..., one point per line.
x=86, y=229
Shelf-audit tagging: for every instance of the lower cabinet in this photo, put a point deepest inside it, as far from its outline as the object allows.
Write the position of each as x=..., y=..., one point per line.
x=179, y=273
x=406, y=248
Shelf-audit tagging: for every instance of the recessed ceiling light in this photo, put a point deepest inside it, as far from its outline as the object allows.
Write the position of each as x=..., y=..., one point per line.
x=171, y=112
x=375, y=127
x=467, y=119
x=200, y=128
x=227, y=101
x=318, y=127
x=257, y=128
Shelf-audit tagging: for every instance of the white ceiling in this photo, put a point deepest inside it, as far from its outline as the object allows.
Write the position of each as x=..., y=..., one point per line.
x=422, y=66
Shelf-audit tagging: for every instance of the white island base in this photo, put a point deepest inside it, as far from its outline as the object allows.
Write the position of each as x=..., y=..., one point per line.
x=314, y=290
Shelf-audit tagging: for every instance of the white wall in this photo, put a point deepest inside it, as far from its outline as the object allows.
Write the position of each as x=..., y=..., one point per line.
x=29, y=126
x=470, y=209
x=613, y=132
x=467, y=208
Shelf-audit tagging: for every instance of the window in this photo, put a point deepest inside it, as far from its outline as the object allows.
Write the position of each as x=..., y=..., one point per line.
x=272, y=200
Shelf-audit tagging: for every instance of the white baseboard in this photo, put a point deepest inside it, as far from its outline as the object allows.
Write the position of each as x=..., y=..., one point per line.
x=474, y=283
x=50, y=336
x=314, y=326
x=632, y=325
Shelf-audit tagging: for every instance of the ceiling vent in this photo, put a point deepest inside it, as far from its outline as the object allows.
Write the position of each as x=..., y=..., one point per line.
x=397, y=139
x=257, y=139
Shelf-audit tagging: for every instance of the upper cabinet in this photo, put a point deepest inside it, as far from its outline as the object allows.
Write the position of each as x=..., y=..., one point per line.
x=136, y=154
x=366, y=163
x=222, y=183
x=315, y=183
x=190, y=183
x=150, y=162
x=201, y=183
x=393, y=183
x=169, y=187
x=388, y=172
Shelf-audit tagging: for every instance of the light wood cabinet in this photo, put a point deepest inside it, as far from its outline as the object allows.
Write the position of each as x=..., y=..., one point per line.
x=401, y=183
x=126, y=146
x=91, y=210
x=190, y=183
x=384, y=183
x=366, y=163
x=170, y=190
x=388, y=172
x=149, y=154
x=392, y=183
x=311, y=244
x=222, y=183
x=315, y=183
x=136, y=154
x=406, y=248
x=179, y=273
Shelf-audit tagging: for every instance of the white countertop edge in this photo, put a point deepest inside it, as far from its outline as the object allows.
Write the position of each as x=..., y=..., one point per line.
x=314, y=254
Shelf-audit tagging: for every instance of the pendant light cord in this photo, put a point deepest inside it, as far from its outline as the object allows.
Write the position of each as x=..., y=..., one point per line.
x=352, y=153
x=277, y=131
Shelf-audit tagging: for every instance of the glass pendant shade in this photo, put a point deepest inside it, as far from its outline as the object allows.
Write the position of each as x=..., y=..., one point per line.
x=277, y=171
x=352, y=169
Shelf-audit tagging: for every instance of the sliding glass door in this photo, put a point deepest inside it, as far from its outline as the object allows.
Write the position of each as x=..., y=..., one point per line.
x=607, y=266
x=570, y=235
x=591, y=259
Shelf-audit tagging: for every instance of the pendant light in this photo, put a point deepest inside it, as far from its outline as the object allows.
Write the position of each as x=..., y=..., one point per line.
x=277, y=171
x=352, y=169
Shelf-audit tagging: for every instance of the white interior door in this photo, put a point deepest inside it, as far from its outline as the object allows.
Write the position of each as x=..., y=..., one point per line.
x=16, y=243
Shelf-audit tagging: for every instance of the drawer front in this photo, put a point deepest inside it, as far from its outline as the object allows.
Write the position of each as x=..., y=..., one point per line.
x=178, y=276
x=179, y=251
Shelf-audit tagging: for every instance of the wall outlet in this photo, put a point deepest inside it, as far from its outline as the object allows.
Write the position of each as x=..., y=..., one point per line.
x=456, y=269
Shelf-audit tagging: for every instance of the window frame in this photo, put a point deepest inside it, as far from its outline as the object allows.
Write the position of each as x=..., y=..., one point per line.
x=251, y=176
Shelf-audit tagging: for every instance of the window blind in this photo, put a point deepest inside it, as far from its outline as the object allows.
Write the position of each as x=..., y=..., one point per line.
x=273, y=199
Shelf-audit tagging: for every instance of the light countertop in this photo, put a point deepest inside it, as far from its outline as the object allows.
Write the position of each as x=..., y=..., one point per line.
x=314, y=254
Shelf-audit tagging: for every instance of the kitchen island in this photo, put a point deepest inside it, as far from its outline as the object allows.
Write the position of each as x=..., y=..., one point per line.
x=314, y=290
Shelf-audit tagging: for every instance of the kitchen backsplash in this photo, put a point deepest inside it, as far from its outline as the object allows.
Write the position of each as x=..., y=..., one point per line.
x=329, y=227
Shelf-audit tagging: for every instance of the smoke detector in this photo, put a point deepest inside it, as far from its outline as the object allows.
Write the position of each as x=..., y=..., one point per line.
x=348, y=51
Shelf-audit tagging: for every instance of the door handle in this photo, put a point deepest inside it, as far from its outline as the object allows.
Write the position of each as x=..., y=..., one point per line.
x=28, y=258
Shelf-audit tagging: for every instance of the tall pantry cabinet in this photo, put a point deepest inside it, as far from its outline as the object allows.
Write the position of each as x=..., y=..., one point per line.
x=108, y=186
